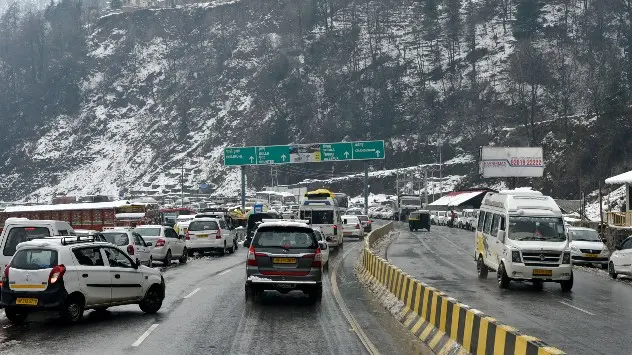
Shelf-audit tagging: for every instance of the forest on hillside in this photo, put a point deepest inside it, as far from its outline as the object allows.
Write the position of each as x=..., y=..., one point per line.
x=413, y=72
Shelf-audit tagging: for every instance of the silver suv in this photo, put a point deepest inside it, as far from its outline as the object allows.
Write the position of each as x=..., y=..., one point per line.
x=284, y=256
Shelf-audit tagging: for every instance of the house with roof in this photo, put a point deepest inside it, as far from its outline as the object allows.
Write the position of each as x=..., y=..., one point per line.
x=621, y=219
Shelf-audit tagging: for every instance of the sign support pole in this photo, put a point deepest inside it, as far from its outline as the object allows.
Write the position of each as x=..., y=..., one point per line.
x=366, y=188
x=243, y=188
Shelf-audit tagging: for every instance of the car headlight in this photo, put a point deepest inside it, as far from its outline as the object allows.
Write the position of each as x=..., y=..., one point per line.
x=566, y=259
x=515, y=256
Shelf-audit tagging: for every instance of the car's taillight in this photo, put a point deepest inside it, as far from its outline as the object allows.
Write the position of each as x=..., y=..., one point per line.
x=219, y=234
x=130, y=249
x=188, y=236
x=56, y=274
x=252, y=258
x=357, y=226
x=318, y=259
x=160, y=242
x=335, y=229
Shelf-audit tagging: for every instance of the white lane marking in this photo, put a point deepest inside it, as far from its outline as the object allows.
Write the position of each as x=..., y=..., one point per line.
x=577, y=308
x=224, y=272
x=145, y=335
x=192, y=293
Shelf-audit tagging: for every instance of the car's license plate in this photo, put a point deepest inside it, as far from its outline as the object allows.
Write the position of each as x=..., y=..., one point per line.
x=591, y=255
x=284, y=260
x=202, y=236
x=540, y=272
x=346, y=233
x=27, y=301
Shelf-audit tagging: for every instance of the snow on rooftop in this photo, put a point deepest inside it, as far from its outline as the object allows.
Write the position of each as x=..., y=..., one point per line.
x=67, y=206
x=625, y=178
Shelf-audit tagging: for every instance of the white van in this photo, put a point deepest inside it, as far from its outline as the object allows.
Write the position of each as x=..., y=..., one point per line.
x=18, y=230
x=322, y=212
x=469, y=219
x=520, y=234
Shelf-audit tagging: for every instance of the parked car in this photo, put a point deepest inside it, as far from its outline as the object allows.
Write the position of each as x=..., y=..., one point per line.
x=354, y=212
x=284, y=256
x=442, y=218
x=166, y=244
x=130, y=241
x=352, y=227
x=206, y=234
x=587, y=248
x=60, y=274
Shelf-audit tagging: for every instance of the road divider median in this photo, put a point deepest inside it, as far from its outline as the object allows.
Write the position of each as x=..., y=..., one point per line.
x=440, y=321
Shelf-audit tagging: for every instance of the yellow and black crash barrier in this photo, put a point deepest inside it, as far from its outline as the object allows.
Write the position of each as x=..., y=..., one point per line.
x=441, y=322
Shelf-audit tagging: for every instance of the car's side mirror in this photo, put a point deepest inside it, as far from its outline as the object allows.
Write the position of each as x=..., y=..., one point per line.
x=501, y=236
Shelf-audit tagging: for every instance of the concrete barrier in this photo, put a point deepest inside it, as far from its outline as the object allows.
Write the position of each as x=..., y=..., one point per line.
x=444, y=324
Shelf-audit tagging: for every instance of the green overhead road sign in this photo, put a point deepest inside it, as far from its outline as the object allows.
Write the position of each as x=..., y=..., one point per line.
x=303, y=153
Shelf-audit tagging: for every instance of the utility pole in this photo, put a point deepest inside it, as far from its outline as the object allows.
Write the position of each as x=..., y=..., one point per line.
x=366, y=187
x=182, y=186
x=440, y=169
x=600, y=208
x=426, y=187
x=243, y=188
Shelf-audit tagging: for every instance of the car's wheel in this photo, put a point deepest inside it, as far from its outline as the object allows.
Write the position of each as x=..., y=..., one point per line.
x=501, y=275
x=538, y=284
x=222, y=251
x=567, y=285
x=185, y=256
x=481, y=268
x=316, y=294
x=167, y=260
x=611, y=271
x=72, y=310
x=152, y=301
x=15, y=316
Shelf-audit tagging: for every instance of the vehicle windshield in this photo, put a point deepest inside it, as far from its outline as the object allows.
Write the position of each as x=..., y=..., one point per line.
x=584, y=235
x=34, y=259
x=116, y=238
x=148, y=232
x=285, y=238
x=18, y=235
x=536, y=228
x=318, y=217
x=203, y=226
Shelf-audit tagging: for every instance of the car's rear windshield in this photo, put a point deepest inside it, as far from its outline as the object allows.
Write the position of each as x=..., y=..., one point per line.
x=116, y=238
x=203, y=226
x=34, y=259
x=350, y=220
x=148, y=232
x=18, y=235
x=285, y=238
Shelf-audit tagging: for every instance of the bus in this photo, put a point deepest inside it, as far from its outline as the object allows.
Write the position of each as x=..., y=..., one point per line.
x=168, y=216
x=91, y=216
x=276, y=198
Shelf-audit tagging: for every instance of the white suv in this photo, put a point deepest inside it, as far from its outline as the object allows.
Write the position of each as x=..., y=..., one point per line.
x=166, y=244
x=71, y=274
x=207, y=233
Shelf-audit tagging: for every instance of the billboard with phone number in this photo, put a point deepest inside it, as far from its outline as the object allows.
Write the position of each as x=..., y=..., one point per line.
x=511, y=162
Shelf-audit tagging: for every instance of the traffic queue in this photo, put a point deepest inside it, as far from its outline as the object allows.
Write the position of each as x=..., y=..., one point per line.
x=47, y=265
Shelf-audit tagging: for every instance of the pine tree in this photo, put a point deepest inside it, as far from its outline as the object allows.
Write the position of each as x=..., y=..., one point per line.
x=528, y=18
x=116, y=4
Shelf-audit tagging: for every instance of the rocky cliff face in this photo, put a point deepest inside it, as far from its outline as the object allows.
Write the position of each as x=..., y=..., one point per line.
x=128, y=101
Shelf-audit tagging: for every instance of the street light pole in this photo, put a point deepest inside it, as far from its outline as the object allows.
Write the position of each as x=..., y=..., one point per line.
x=182, y=186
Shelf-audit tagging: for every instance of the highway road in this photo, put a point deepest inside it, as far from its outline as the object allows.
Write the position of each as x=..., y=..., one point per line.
x=205, y=313
x=595, y=318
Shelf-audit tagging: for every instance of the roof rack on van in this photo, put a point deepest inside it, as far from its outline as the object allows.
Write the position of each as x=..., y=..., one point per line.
x=76, y=240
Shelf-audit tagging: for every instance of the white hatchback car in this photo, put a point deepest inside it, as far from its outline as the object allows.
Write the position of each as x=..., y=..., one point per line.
x=129, y=240
x=166, y=244
x=352, y=227
x=72, y=274
x=210, y=234
x=621, y=259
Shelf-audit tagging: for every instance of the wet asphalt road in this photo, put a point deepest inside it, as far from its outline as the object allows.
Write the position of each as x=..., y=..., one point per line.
x=215, y=319
x=595, y=318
